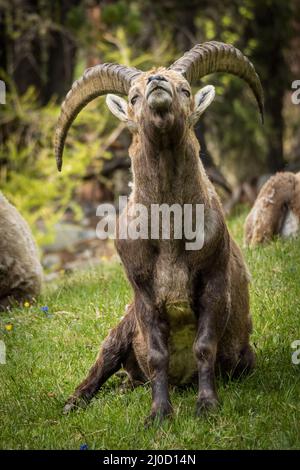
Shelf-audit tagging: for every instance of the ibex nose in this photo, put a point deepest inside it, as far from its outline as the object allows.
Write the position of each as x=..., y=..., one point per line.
x=156, y=77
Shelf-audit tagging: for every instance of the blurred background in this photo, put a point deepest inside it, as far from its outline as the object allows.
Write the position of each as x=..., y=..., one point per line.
x=45, y=46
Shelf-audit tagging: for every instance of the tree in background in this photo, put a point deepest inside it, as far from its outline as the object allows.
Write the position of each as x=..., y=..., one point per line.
x=38, y=45
x=271, y=28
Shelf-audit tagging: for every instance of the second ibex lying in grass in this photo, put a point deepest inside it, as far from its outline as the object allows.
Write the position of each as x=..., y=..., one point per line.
x=190, y=311
x=21, y=273
x=276, y=210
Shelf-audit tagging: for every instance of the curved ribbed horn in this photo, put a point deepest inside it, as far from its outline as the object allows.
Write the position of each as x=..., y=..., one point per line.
x=96, y=81
x=215, y=56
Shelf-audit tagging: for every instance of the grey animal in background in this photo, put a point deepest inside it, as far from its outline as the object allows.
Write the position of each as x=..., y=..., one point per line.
x=21, y=272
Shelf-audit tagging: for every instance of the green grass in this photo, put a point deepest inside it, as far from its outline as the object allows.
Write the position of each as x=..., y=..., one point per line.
x=48, y=356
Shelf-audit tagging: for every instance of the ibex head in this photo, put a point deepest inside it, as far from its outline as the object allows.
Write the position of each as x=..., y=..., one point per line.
x=160, y=99
x=157, y=96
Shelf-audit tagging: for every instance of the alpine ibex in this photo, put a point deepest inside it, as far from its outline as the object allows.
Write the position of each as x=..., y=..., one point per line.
x=20, y=269
x=191, y=307
x=276, y=210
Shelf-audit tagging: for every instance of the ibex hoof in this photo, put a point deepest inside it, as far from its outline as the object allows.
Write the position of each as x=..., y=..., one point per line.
x=158, y=416
x=68, y=407
x=74, y=403
x=206, y=405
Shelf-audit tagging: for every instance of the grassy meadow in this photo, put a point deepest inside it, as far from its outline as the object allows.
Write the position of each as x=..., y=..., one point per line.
x=49, y=350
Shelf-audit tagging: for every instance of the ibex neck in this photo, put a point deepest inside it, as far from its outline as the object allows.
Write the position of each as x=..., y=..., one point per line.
x=167, y=172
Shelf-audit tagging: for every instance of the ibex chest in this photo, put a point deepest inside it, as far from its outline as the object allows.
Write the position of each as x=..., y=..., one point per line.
x=173, y=291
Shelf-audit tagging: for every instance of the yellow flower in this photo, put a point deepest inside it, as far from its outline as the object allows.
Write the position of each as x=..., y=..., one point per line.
x=9, y=327
x=26, y=304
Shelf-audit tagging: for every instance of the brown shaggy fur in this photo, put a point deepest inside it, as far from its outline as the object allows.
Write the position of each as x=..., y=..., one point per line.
x=190, y=312
x=21, y=272
x=277, y=203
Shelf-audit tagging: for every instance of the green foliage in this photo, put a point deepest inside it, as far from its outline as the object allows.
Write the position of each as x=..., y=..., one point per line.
x=125, y=14
x=116, y=48
x=140, y=34
x=28, y=176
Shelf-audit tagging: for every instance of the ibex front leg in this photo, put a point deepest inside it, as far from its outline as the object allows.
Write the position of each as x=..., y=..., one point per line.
x=213, y=311
x=156, y=331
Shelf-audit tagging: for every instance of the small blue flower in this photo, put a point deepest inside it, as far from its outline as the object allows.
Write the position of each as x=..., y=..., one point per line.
x=45, y=310
x=83, y=447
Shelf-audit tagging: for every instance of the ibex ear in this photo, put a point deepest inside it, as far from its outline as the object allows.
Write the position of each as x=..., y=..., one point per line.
x=118, y=106
x=202, y=99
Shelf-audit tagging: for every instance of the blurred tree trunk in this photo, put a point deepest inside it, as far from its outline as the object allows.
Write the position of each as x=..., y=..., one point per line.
x=37, y=48
x=3, y=58
x=271, y=28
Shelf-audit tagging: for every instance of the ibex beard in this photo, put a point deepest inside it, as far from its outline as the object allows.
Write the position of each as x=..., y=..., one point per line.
x=190, y=312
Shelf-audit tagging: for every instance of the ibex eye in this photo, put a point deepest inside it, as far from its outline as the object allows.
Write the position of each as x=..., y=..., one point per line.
x=186, y=92
x=133, y=99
